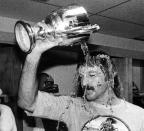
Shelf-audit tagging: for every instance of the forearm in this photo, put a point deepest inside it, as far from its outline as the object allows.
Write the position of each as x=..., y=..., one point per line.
x=28, y=84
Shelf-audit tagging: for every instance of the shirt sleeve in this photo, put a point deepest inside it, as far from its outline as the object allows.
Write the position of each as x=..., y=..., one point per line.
x=49, y=106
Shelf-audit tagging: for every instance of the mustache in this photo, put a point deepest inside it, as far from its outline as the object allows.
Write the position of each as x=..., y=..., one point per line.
x=88, y=87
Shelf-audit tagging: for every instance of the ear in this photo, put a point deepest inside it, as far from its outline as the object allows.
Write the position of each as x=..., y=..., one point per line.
x=110, y=83
x=115, y=73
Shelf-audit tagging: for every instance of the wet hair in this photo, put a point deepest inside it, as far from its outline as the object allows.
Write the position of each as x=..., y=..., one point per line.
x=104, y=61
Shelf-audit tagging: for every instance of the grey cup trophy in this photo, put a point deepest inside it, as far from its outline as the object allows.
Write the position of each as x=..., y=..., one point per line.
x=66, y=23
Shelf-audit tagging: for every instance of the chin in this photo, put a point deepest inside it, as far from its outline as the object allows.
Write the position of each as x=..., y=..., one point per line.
x=90, y=98
x=91, y=95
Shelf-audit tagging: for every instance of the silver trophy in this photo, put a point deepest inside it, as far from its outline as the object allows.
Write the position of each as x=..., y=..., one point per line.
x=65, y=23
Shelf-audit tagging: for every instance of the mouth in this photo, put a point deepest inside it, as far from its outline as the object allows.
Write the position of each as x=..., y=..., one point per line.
x=89, y=88
x=92, y=88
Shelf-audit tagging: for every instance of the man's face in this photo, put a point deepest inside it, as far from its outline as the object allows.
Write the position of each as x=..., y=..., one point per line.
x=93, y=82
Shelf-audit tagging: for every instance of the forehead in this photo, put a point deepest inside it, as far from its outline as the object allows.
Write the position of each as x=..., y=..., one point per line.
x=88, y=69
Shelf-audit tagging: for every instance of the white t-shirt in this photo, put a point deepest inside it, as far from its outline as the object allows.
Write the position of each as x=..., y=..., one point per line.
x=90, y=116
x=7, y=120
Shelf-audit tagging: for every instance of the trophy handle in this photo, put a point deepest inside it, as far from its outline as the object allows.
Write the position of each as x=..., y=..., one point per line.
x=25, y=36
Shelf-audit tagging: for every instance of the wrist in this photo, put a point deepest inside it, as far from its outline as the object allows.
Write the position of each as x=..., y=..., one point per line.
x=33, y=57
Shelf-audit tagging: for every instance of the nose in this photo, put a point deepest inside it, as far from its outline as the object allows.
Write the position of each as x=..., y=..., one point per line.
x=84, y=81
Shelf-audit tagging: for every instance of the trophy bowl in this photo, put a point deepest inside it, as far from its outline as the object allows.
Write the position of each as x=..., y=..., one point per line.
x=66, y=23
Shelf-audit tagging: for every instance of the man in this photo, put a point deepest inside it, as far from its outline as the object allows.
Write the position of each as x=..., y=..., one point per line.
x=100, y=108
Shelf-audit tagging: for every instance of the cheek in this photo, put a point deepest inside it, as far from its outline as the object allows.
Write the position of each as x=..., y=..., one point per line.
x=98, y=81
x=99, y=89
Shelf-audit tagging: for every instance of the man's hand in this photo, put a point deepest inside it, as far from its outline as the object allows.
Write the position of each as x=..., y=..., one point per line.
x=43, y=44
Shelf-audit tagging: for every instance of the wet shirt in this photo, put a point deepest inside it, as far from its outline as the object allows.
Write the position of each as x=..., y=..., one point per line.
x=89, y=116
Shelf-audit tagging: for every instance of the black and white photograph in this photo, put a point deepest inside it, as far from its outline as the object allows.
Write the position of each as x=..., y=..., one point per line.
x=71, y=65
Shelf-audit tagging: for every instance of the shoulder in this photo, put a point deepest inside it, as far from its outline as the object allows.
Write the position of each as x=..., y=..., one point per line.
x=46, y=99
x=5, y=108
x=46, y=96
x=69, y=100
x=134, y=107
x=76, y=101
x=5, y=112
x=7, y=118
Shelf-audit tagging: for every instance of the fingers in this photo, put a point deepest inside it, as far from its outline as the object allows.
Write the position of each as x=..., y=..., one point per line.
x=48, y=31
x=49, y=41
x=42, y=25
x=67, y=42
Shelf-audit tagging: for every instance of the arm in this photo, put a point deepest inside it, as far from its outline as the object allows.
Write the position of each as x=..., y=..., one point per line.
x=28, y=83
x=28, y=87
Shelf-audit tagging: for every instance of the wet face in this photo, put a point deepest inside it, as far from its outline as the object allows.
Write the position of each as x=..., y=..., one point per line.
x=93, y=82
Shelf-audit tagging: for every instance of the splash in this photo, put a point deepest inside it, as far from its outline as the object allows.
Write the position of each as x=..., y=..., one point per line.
x=85, y=51
x=86, y=54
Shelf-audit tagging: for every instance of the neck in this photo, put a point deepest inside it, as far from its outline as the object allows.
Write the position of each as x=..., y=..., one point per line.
x=108, y=98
